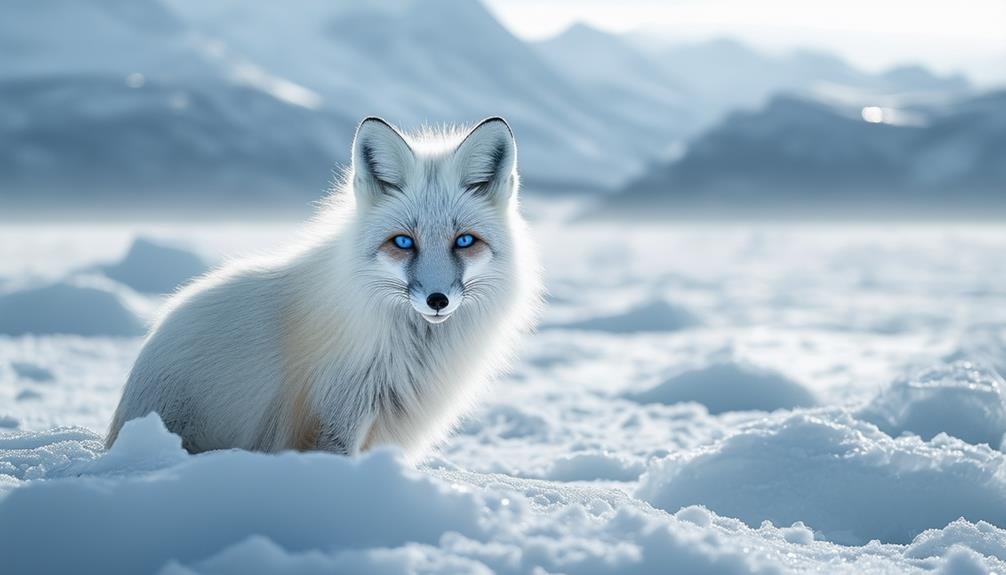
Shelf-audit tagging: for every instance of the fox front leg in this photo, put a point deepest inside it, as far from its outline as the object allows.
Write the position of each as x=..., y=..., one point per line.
x=346, y=433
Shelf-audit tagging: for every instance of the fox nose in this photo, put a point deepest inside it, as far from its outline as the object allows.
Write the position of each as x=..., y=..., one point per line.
x=437, y=301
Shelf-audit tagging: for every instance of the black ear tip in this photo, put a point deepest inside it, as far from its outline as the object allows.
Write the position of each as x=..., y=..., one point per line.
x=495, y=120
x=373, y=120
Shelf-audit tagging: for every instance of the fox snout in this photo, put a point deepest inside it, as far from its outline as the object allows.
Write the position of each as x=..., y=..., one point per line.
x=436, y=306
x=437, y=301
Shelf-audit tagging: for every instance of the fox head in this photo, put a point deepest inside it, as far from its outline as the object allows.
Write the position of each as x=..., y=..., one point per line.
x=436, y=219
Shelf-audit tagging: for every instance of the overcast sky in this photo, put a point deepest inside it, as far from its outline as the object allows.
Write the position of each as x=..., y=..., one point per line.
x=946, y=35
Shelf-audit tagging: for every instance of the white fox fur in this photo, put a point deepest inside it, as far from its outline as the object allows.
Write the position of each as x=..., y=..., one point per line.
x=331, y=345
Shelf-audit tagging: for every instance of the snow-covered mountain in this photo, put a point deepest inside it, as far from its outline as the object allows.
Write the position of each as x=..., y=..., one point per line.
x=92, y=145
x=189, y=103
x=420, y=62
x=712, y=78
x=111, y=105
x=625, y=78
x=798, y=156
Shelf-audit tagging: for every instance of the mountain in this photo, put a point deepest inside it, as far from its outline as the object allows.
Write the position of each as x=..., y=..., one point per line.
x=91, y=145
x=623, y=77
x=420, y=62
x=799, y=157
x=116, y=105
x=724, y=75
x=683, y=89
x=191, y=106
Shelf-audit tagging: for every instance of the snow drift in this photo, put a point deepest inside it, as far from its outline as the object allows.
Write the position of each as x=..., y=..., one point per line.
x=31, y=372
x=844, y=478
x=961, y=399
x=153, y=267
x=235, y=512
x=729, y=386
x=207, y=503
x=68, y=308
x=653, y=316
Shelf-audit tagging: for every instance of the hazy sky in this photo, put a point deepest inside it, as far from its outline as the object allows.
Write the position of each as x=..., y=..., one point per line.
x=955, y=34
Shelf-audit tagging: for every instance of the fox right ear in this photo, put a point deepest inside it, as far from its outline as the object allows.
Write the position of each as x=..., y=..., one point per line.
x=381, y=160
x=487, y=160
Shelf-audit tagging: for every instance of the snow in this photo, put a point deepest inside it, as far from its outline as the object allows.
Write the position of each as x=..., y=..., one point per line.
x=152, y=267
x=240, y=512
x=68, y=308
x=209, y=503
x=961, y=399
x=729, y=387
x=845, y=478
x=646, y=317
x=835, y=407
x=30, y=371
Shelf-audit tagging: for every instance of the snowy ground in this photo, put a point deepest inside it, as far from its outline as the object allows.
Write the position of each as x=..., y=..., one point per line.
x=699, y=399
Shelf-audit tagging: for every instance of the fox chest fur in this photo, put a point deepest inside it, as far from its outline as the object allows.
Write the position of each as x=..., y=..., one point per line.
x=403, y=386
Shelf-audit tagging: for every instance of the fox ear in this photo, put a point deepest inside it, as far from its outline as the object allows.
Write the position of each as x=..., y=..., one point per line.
x=487, y=160
x=381, y=160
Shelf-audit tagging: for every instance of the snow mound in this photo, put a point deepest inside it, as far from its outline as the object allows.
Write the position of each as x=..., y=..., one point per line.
x=27, y=395
x=146, y=506
x=653, y=316
x=67, y=308
x=982, y=537
x=152, y=267
x=200, y=505
x=844, y=478
x=961, y=399
x=592, y=466
x=729, y=386
x=143, y=444
x=31, y=371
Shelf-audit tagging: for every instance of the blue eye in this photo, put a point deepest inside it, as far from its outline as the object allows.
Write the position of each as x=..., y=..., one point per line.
x=464, y=240
x=403, y=242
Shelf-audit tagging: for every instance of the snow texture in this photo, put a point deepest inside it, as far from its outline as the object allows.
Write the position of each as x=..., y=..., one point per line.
x=961, y=399
x=838, y=409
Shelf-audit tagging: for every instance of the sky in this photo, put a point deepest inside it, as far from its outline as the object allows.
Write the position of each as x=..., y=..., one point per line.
x=965, y=35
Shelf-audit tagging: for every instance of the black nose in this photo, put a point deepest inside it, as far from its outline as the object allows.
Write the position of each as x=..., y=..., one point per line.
x=437, y=301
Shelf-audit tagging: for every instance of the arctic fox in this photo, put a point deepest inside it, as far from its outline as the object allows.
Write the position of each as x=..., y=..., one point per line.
x=409, y=292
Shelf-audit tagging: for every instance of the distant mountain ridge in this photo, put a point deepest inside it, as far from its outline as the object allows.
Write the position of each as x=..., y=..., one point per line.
x=798, y=156
x=188, y=105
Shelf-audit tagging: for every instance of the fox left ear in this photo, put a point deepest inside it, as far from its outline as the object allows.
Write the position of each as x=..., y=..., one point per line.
x=381, y=160
x=487, y=160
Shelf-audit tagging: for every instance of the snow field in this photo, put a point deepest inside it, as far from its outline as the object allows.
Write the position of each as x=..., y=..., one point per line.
x=833, y=404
